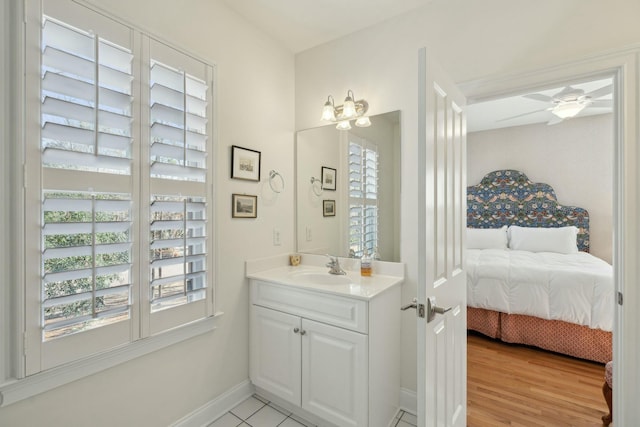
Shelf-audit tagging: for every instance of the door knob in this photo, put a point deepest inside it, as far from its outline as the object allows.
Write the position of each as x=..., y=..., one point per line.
x=433, y=309
x=296, y=330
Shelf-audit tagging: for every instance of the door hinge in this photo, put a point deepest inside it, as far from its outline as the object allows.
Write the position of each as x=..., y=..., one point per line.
x=24, y=344
x=620, y=298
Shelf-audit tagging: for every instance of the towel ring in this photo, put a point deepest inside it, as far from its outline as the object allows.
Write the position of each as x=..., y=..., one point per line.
x=317, y=189
x=273, y=174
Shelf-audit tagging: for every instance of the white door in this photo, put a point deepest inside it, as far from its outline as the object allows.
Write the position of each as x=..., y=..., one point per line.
x=442, y=345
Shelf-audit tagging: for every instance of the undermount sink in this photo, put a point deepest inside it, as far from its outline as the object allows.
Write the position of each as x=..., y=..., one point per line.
x=316, y=278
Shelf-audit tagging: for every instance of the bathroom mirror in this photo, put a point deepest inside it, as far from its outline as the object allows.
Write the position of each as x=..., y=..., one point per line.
x=334, y=212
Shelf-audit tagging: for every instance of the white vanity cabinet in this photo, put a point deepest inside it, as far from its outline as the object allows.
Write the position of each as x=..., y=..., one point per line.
x=334, y=356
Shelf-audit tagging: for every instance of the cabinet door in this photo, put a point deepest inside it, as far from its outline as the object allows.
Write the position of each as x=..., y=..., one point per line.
x=334, y=373
x=275, y=361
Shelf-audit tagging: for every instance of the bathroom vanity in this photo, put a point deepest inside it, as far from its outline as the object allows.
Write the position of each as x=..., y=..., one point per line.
x=327, y=345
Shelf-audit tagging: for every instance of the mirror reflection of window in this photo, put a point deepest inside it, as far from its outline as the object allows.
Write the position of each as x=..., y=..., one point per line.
x=324, y=146
x=363, y=197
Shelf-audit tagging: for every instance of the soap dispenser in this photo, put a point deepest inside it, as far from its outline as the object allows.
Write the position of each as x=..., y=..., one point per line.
x=365, y=264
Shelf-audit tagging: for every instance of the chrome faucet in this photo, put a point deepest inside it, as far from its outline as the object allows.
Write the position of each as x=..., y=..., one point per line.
x=334, y=266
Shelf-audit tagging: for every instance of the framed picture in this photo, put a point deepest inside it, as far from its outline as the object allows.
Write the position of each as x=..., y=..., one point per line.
x=245, y=163
x=328, y=178
x=328, y=208
x=244, y=206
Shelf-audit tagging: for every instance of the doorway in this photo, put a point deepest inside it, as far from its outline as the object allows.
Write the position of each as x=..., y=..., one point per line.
x=526, y=130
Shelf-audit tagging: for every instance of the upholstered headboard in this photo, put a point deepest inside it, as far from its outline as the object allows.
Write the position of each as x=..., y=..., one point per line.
x=508, y=197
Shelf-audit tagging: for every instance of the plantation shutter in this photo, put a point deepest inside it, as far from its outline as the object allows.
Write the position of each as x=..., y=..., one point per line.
x=87, y=275
x=363, y=196
x=87, y=261
x=178, y=246
x=118, y=186
x=180, y=230
x=86, y=105
x=178, y=124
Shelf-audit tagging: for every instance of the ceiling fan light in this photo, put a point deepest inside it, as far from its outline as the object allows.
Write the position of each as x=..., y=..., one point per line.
x=343, y=125
x=363, y=122
x=566, y=110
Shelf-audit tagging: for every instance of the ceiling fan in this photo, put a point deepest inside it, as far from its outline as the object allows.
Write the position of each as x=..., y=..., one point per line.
x=569, y=102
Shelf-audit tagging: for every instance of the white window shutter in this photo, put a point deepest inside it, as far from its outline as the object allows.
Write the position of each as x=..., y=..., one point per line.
x=118, y=216
x=179, y=178
x=363, y=196
x=178, y=124
x=86, y=101
x=86, y=261
x=178, y=251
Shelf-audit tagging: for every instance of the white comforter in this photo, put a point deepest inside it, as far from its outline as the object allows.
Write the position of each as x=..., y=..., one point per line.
x=576, y=288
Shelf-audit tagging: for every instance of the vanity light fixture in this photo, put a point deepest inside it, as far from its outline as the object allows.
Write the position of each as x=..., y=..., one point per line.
x=350, y=110
x=343, y=125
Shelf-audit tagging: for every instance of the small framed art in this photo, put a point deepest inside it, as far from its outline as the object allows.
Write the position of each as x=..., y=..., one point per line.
x=328, y=208
x=244, y=206
x=328, y=178
x=245, y=163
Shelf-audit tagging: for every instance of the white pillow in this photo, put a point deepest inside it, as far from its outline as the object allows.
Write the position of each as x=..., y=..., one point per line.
x=487, y=238
x=563, y=240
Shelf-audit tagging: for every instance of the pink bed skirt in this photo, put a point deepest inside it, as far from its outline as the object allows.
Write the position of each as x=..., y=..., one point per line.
x=561, y=337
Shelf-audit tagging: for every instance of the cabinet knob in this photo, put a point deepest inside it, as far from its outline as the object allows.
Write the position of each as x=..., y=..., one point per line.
x=296, y=330
x=303, y=332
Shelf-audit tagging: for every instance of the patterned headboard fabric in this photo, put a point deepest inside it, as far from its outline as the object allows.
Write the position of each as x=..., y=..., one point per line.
x=508, y=197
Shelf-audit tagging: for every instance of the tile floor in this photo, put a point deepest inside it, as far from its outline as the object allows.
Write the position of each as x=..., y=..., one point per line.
x=259, y=412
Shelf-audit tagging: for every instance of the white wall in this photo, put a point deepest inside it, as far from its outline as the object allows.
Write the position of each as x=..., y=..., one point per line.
x=472, y=40
x=575, y=157
x=254, y=74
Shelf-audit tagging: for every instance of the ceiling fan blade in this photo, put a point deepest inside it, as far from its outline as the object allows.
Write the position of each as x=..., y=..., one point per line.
x=605, y=90
x=522, y=115
x=554, y=121
x=538, y=97
x=601, y=103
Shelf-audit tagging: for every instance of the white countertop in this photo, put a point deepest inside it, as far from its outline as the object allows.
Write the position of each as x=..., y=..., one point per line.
x=360, y=287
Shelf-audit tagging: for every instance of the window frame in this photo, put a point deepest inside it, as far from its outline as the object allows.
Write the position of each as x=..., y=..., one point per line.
x=18, y=341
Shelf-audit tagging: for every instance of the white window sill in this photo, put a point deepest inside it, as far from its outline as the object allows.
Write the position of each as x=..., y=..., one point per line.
x=15, y=390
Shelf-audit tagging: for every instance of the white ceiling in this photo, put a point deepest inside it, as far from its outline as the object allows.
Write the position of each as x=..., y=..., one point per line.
x=303, y=24
x=494, y=114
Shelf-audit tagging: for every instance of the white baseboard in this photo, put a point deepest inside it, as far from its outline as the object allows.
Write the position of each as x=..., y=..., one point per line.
x=216, y=408
x=409, y=401
x=222, y=404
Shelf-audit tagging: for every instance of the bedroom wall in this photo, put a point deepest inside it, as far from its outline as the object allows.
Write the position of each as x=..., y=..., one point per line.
x=253, y=74
x=575, y=157
x=472, y=40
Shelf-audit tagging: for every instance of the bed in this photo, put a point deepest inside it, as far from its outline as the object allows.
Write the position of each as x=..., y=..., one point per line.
x=530, y=277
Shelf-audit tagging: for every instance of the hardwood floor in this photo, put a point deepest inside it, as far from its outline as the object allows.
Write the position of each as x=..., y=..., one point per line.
x=511, y=385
